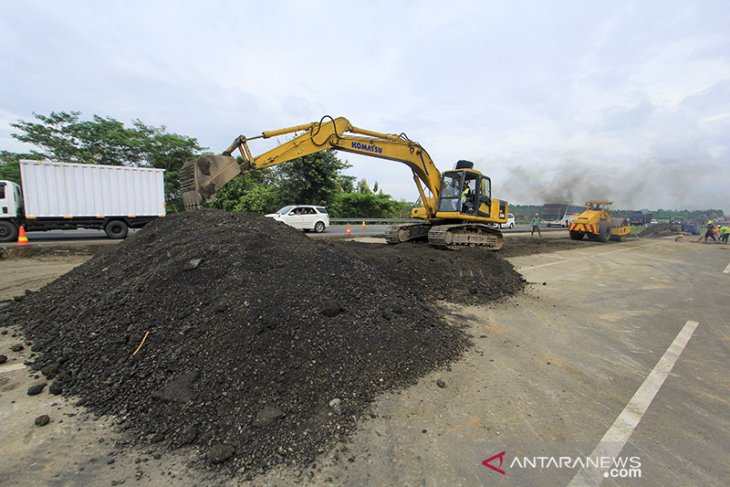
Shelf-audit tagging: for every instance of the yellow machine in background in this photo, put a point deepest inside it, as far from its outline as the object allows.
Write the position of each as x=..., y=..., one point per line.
x=457, y=206
x=597, y=223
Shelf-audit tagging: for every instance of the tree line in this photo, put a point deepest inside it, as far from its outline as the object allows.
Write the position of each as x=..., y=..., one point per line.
x=314, y=179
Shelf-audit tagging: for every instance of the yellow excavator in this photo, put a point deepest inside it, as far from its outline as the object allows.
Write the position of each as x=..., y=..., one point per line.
x=457, y=206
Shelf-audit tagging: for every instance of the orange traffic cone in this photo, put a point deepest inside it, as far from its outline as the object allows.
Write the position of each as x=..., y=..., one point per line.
x=348, y=232
x=22, y=237
x=363, y=225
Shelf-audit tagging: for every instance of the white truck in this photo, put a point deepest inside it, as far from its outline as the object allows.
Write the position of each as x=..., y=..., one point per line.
x=62, y=196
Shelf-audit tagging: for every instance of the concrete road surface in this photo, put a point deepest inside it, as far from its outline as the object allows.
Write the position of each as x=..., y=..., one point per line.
x=68, y=236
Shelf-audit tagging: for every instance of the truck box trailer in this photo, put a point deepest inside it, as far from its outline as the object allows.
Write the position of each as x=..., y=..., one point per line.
x=61, y=196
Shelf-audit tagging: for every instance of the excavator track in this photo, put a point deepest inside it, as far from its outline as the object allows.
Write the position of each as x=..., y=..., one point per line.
x=459, y=235
x=407, y=233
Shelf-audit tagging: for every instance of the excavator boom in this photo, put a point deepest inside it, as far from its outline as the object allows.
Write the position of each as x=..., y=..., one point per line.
x=202, y=177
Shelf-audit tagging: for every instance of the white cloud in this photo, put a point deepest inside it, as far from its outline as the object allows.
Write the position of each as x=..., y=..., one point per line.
x=533, y=85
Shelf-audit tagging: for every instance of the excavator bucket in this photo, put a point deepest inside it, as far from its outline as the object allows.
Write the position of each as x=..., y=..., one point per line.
x=200, y=178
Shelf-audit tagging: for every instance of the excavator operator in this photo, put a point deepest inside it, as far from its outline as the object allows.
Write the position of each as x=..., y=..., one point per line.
x=466, y=198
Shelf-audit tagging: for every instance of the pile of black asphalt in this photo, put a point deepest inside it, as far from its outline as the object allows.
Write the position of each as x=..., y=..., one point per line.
x=659, y=230
x=242, y=338
x=470, y=275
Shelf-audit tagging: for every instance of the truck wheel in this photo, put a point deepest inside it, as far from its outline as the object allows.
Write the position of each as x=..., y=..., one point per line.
x=604, y=232
x=576, y=235
x=319, y=227
x=116, y=229
x=8, y=231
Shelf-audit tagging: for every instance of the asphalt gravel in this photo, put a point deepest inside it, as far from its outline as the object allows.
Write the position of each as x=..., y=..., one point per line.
x=470, y=275
x=241, y=337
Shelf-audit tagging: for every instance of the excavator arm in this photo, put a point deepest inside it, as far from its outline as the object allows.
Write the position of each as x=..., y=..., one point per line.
x=202, y=177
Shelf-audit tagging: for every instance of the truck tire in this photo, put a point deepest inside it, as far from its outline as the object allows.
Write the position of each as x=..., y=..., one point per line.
x=8, y=231
x=604, y=231
x=575, y=235
x=116, y=229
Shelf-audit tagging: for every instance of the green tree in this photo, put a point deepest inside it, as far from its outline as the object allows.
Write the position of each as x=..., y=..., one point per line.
x=361, y=205
x=65, y=137
x=10, y=167
x=524, y=213
x=312, y=179
x=53, y=135
x=256, y=191
x=346, y=183
x=363, y=187
x=375, y=187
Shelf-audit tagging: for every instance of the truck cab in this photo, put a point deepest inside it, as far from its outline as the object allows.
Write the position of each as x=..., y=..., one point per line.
x=11, y=207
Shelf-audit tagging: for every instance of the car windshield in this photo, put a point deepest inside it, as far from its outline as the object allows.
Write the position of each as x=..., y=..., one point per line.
x=285, y=210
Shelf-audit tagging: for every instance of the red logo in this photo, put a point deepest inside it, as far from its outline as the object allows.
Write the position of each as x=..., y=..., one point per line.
x=496, y=469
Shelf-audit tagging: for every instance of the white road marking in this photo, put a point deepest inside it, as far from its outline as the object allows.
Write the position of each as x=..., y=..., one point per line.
x=727, y=269
x=619, y=433
x=11, y=367
x=545, y=265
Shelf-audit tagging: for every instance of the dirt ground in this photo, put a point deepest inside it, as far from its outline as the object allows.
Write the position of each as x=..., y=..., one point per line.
x=516, y=245
x=32, y=273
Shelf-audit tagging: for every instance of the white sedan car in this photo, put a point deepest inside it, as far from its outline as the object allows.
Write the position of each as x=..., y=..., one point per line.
x=303, y=217
x=510, y=222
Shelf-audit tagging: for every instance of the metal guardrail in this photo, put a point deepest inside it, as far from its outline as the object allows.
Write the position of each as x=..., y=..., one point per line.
x=371, y=220
x=415, y=220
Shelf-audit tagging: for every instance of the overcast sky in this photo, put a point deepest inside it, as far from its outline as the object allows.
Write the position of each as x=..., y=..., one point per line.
x=554, y=100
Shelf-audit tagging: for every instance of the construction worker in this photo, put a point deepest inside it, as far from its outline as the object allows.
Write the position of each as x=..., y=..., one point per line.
x=724, y=233
x=466, y=198
x=710, y=232
x=535, y=225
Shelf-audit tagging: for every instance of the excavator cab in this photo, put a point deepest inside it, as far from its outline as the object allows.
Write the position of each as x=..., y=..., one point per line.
x=466, y=192
x=461, y=192
x=450, y=199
